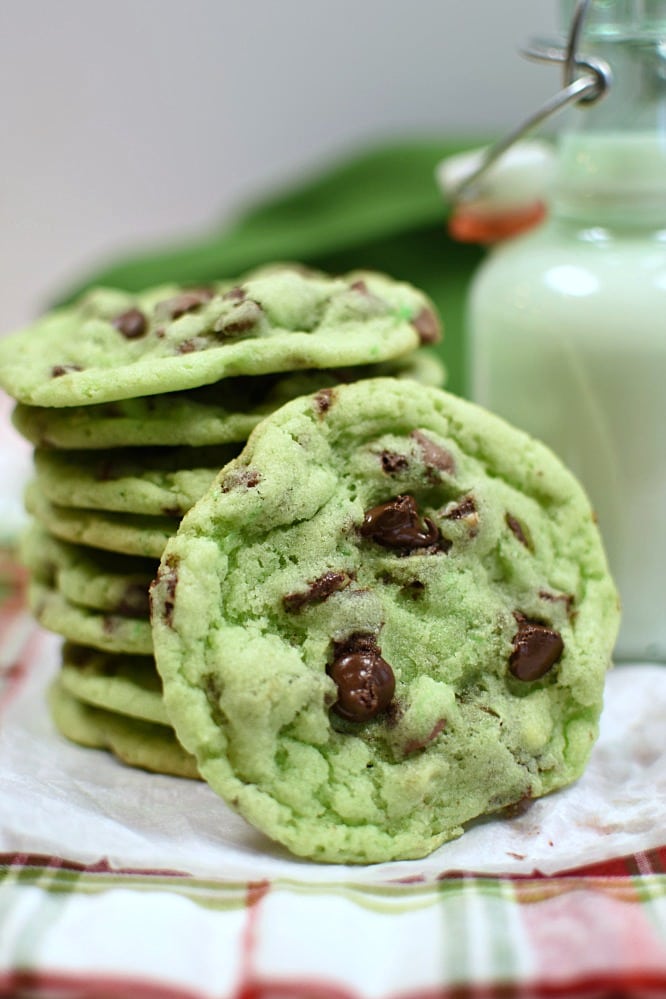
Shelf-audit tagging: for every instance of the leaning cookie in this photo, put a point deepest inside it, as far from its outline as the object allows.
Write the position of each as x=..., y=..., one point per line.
x=390, y=615
x=112, y=345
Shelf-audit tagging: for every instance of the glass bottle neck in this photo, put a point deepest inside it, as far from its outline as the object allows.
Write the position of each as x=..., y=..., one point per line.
x=612, y=156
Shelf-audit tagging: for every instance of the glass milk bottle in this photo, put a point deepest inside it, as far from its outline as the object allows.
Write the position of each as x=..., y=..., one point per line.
x=567, y=324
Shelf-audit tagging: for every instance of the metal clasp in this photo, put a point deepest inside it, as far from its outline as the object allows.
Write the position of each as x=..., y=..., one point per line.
x=585, y=81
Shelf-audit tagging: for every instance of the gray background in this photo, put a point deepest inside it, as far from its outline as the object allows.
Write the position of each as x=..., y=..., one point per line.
x=134, y=120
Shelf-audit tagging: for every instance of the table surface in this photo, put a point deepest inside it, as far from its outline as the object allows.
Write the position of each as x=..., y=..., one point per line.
x=98, y=929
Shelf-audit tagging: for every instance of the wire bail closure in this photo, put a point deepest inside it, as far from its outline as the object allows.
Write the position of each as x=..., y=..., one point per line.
x=585, y=80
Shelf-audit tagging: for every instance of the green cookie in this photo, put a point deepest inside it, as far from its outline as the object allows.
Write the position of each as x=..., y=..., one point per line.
x=134, y=742
x=117, y=532
x=152, y=481
x=390, y=615
x=105, y=581
x=222, y=413
x=113, y=345
x=128, y=685
x=110, y=632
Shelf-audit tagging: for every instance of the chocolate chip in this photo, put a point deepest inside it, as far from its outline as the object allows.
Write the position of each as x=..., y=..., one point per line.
x=240, y=478
x=319, y=590
x=191, y=346
x=519, y=807
x=132, y=323
x=240, y=320
x=396, y=524
x=109, y=624
x=427, y=326
x=463, y=510
x=235, y=294
x=365, y=681
x=186, y=301
x=434, y=455
x=392, y=462
x=212, y=686
x=323, y=400
x=64, y=369
x=519, y=530
x=567, y=599
x=536, y=649
x=168, y=577
x=414, y=745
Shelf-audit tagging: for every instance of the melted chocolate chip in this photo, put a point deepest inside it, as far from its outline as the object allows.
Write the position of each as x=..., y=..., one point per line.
x=132, y=323
x=518, y=530
x=323, y=400
x=235, y=294
x=168, y=577
x=64, y=369
x=109, y=624
x=240, y=478
x=392, y=462
x=434, y=456
x=241, y=320
x=187, y=301
x=212, y=686
x=187, y=347
x=466, y=508
x=365, y=681
x=319, y=590
x=414, y=745
x=567, y=599
x=427, y=326
x=396, y=524
x=536, y=649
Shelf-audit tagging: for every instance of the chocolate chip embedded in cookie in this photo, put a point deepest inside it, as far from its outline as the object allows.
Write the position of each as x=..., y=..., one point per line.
x=357, y=644
x=111, y=345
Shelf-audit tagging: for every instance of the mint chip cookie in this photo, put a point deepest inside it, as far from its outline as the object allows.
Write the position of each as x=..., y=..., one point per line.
x=128, y=534
x=153, y=481
x=111, y=632
x=112, y=345
x=128, y=685
x=391, y=614
x=215, y=414
x=105, y=581
x=134, y=742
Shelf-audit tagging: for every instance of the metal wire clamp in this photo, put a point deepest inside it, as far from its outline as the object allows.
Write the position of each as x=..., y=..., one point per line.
x=586, y=80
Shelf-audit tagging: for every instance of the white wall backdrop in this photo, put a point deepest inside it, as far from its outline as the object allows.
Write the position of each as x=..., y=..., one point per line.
x=127, y=121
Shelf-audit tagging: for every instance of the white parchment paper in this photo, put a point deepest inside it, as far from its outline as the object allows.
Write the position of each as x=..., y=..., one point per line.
x=61, y=800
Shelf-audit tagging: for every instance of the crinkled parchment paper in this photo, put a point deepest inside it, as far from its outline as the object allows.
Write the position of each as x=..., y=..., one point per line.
x=81, y=805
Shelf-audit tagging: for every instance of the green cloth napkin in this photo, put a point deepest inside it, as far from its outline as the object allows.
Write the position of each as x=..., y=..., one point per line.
x=380, y=208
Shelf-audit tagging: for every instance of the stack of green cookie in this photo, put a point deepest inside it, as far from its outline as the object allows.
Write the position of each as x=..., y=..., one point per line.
x=133, y=404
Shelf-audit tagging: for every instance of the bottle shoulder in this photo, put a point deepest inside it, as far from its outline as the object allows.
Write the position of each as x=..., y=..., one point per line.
x=576, y=261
